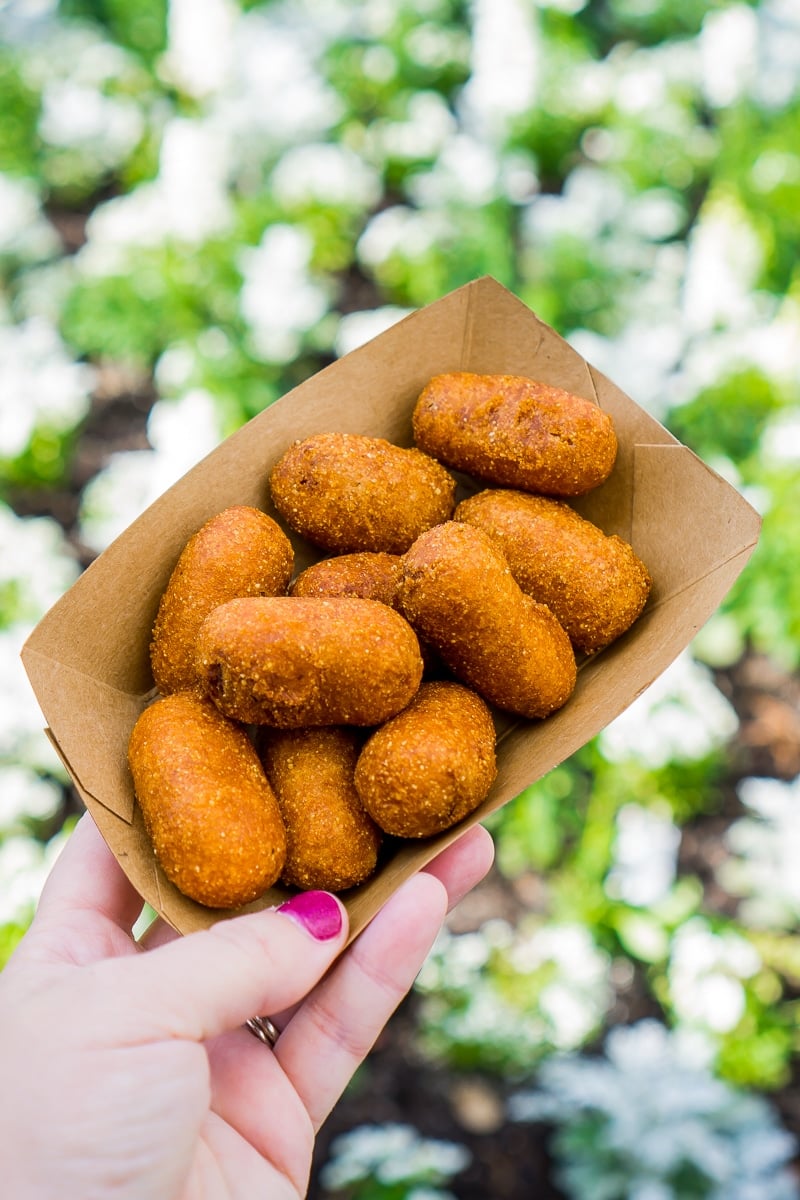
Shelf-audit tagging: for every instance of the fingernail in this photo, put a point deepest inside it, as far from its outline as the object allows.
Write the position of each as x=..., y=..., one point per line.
x=319, y=913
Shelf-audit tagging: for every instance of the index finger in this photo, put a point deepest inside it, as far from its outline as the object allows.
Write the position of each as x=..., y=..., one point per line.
x=335, y=1027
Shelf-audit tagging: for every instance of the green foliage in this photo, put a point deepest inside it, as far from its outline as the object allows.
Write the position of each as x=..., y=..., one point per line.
x=765, y=601
x=10, y=937
x=574, y=283
x=44, y=462
x=127, y=317
x=140, y=27
x=727, y=419
x=770, y=187
x=170, y=296
x=651, y=23
x=758, y=1053
x=19, y=114
x=532, y=832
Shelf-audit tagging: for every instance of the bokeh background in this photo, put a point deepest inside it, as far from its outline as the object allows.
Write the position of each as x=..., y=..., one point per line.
x=202, y=202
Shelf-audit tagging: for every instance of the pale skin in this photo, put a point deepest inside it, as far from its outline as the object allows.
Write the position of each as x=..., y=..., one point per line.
x=126, y=1071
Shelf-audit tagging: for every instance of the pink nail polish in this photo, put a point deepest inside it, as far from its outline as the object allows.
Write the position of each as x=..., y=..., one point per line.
x=319, y=914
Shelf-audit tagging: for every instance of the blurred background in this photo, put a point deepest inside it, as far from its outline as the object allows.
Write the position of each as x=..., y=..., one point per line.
x=203, y=202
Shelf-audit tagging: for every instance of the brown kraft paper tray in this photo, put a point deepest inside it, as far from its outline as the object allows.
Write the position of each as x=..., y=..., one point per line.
x=88, y=659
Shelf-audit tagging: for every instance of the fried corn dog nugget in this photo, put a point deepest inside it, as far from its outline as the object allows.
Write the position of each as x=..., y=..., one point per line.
x=297, y=661
x=370, y=575
x=515, y=431
x=595, y=584
x=208, y=809
x=347, y=492
x=431, y=765
x=459, y=594
x=332, y=843
x=240, y=552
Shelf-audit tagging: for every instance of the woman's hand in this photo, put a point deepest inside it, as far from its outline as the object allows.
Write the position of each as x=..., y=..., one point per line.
x=127, y=1072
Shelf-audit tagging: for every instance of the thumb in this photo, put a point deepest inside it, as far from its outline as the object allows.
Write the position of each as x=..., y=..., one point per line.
x=208, y=982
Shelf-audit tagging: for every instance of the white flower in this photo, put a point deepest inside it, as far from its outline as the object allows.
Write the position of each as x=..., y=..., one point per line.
x=393, y=1154
x=327, y=174
x=506, y=54
x=437, y=46
x=765, y=849
x=776, y=80
x=43, y=290
x=649, y=83
x=681, y=716
x=24, y=793
x=466, y=172
x=705, y=976
x=188, y=200
x=24, y=866
x=649, y=1110
x=74, y=51
x=22, y=737
x=763, y=332
x=593, y=200
x=728, y=54
x=401, y=231
x=279, y=298
x=725, y=257
x=645, y=856
x=356, y=328
x=423, y=134
x=640, y=359
x=36, y=566
x=276, y=97
x=30, y=10
x=181, y=432
x=454, y=961
x=40, y=385
x=81, y=117
x=563, y=975
x=199, y=55
x=781, y=441
x=24, y=232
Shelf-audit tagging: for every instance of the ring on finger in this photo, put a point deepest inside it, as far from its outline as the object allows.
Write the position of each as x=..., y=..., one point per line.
x=264, y=1029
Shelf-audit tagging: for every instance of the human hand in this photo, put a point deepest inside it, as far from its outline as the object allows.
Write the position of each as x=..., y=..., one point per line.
x=127, y=1072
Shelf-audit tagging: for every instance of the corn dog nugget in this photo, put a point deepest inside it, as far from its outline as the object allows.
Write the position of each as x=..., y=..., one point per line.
x=297, y=661
x=208, y=809
x=347, y=492
x=515, y=431
x=595, y=584
x=240, y=552
x=459, y=594
x=370, y=575
x=332, y=843
x=431, y=765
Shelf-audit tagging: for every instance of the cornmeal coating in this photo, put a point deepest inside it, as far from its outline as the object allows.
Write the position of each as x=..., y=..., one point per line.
x=295, y=661
x=332, y=843
x=370, y=575
x=240, y=552
x=347, y=492
x=431, y=765
x=594, y=583
x=459, y=594
x=208, y=809
x=515, y=431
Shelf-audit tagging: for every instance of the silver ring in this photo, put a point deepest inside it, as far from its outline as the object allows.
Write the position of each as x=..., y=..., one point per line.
x=264, y=1030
